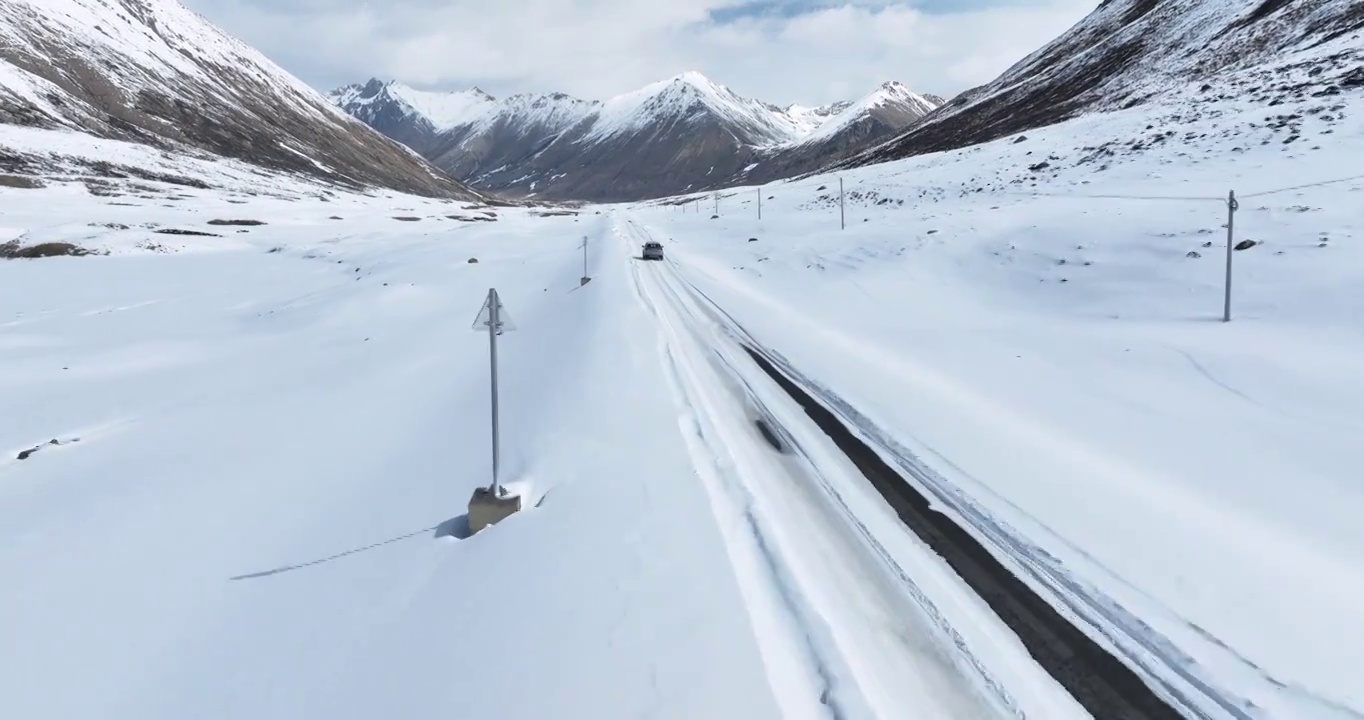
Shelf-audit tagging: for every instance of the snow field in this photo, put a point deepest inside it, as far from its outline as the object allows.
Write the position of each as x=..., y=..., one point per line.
x=270, y=444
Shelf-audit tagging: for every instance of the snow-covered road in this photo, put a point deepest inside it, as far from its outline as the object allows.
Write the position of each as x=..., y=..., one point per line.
x=849, y=626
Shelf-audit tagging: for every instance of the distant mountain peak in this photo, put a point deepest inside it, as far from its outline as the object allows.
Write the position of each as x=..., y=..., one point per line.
x=694, y=79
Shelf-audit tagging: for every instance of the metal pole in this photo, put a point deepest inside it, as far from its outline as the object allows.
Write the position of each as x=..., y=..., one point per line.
x=584, y=256
x=717, y=203
x=842, y=222
x=494, y=322
x=760, y=203
x=1231, y=225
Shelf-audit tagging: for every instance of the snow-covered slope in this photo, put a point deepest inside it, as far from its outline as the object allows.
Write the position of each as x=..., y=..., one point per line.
x=810, y=118
x=1132, y=52
x=446, y=110
x=450, y=111
x=153, y=72
x=521, y=126
x=670, y=136
x=691, y=96
x=892, y=105
x=413, y=117
x=467, y=132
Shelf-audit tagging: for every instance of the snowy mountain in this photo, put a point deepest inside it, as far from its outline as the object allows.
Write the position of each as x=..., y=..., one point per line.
x=846, y=130
x=1194, y=53
x=463, y=132
x=153, y=73
x=890, y=107
x=677, y=135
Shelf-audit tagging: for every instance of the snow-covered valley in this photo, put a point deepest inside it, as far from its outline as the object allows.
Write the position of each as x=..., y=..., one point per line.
x=267, y=437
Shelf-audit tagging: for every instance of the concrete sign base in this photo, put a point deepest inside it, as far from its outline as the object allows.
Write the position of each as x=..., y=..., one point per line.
x=485, y=509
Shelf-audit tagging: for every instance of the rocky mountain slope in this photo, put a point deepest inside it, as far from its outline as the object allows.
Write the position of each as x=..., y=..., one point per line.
x=1193, y=53
x=678, y=135
x=151, y=72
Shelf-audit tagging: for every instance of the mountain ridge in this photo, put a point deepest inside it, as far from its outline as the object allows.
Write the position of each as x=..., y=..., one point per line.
x=543, y=145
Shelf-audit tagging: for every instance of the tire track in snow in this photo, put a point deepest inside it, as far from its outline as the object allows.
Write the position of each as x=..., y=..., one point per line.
x=792, y=663
x=833, y=500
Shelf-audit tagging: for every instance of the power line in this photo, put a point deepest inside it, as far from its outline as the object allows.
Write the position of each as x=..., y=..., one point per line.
x=1191, y=198
x=1304, y=187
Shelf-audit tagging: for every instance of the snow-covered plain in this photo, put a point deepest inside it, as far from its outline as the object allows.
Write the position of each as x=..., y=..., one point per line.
x=266, y=440
x=273, y=446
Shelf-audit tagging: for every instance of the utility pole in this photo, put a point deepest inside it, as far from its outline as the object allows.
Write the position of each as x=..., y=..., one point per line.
x=842, y=221
x=1231, y=224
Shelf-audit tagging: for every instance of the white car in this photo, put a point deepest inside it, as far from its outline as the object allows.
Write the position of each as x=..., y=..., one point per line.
x=653, y=250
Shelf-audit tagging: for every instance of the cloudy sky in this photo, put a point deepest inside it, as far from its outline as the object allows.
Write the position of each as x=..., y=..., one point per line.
x=781, y=51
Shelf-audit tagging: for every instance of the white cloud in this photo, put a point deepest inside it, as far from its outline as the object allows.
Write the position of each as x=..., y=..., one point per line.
x=599, y=48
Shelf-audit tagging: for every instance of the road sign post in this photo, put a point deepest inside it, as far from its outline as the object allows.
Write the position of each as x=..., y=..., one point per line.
x=492, y=504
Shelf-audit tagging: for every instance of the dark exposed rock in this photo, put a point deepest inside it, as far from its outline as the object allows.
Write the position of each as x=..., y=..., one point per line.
x=20, y=181
x=13, y=250
x=178, y=231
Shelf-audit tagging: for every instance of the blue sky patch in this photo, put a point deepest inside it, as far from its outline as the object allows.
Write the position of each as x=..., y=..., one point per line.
x=794, y=8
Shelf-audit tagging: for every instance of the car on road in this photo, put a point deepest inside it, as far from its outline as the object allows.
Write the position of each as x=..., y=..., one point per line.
x=653, y=250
